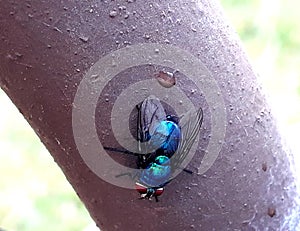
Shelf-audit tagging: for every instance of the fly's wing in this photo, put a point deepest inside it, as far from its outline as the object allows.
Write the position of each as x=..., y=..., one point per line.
x=151, y=113
x=190, y=125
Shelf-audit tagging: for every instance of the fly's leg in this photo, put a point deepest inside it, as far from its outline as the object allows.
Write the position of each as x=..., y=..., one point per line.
x=125, y=174
x=140, y=136
x=132, y=176
x=188, y=171
x=148, y=195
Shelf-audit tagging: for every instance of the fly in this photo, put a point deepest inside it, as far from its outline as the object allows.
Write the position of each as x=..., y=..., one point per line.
x=168, y=141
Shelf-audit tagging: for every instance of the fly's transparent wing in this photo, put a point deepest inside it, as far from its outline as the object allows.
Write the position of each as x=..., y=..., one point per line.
x=190, y=125
x=151, y=113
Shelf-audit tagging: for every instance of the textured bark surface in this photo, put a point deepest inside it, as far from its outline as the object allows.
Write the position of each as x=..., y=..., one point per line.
x=47, y=46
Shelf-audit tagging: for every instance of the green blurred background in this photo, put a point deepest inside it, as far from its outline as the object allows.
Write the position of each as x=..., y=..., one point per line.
x=34, y=194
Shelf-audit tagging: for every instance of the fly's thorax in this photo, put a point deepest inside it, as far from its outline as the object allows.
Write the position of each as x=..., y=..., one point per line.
x=162, y=160
x=157, y=174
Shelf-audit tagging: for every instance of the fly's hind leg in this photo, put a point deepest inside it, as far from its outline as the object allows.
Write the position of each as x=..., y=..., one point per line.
x=188, y=171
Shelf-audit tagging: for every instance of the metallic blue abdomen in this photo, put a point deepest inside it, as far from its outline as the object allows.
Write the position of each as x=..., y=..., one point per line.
x=166, y=136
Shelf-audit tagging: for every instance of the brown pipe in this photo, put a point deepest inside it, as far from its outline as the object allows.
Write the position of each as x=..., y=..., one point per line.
x=47, y=47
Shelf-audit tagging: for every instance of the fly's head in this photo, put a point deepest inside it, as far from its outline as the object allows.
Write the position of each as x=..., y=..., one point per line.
x=148, y=192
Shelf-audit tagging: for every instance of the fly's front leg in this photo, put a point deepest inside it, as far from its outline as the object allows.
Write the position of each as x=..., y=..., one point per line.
x=132, y=176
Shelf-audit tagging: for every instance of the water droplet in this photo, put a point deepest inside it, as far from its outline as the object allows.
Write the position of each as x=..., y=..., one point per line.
x=94, y=78
x=113, y=13
x=57, y=140
x=193, y=28
x=271, y=212
x=147, y=36
x=264, y=167
x=166, y=79
x=19, y=55
x=122, y=7
x=83, y=38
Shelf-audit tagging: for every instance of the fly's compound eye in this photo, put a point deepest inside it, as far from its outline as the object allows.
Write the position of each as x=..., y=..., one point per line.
x=158, y=191
x=141, y=188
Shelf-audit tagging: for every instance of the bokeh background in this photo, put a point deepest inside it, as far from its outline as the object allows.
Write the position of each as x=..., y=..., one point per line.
x=34, y=194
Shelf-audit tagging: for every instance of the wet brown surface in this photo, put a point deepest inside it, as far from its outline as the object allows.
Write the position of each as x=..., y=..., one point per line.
x=47, y=46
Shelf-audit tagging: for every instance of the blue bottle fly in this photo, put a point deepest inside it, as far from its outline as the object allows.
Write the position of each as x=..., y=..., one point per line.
x=167, y=144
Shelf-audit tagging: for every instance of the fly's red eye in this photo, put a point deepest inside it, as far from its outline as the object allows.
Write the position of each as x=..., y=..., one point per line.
x=158, y=191
x=141, y=188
